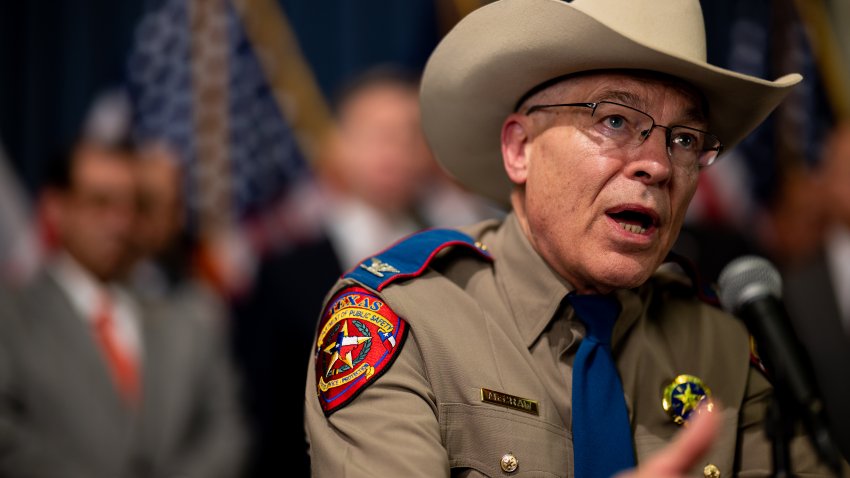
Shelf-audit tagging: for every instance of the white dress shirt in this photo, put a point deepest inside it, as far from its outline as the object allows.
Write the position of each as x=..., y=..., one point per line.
x=85, y=293
x=356, y=229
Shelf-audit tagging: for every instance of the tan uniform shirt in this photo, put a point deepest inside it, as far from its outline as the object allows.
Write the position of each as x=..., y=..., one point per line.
x=503, y=326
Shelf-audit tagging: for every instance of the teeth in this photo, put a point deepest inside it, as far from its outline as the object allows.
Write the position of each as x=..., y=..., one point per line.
x=633, y=228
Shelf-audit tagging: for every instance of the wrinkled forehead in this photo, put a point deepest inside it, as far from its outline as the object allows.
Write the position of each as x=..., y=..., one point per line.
x=631, y=87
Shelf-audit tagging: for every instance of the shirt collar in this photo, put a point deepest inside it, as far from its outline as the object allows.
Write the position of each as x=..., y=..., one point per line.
x=84, y=290
x=534, y=291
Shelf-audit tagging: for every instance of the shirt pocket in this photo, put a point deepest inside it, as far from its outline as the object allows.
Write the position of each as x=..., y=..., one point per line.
x=478, y=436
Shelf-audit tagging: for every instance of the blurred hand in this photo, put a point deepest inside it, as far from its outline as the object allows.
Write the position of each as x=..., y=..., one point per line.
x=677, y=458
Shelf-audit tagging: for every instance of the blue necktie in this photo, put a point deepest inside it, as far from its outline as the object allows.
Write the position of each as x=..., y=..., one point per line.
x=602, y=436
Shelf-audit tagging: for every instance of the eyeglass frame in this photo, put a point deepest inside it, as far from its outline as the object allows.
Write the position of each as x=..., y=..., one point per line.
x=645, y=134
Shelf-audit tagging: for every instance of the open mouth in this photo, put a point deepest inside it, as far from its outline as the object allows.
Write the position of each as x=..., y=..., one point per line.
x=634, y=220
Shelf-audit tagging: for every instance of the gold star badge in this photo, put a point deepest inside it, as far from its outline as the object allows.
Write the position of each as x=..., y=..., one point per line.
x=684, y=396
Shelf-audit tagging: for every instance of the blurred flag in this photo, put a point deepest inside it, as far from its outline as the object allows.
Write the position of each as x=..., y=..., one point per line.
x=769, y=38
x=224, y=84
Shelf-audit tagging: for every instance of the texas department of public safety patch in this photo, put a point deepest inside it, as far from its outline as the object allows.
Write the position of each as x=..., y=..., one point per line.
x=359, y=337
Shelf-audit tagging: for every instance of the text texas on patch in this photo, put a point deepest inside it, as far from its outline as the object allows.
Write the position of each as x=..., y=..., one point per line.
x=510, y=401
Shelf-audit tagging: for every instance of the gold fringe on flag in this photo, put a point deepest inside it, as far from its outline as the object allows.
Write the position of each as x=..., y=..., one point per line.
x=290, y=76
x=831, y=65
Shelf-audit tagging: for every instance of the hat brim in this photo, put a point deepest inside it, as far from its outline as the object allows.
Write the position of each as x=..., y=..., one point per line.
x=477, y=74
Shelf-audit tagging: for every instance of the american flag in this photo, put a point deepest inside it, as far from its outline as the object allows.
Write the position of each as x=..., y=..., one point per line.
x=199, y=83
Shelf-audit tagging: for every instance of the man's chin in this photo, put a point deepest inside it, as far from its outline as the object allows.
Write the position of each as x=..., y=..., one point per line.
x=110, y=272
x=625, y=273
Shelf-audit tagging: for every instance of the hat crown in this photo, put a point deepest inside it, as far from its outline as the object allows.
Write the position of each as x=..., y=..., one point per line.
x=678, y=29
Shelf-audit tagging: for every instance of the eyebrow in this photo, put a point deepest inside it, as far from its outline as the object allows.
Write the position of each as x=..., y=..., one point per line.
x=626, y=97
x=692, y=115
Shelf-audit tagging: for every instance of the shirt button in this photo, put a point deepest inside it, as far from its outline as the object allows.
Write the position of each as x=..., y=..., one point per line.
x=711, y=471
x=509, y=463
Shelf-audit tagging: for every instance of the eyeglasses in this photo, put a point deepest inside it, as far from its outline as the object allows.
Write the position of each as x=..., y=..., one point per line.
x=619, y=126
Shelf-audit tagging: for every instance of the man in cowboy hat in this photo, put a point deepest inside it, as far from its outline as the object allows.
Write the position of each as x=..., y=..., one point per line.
x=553, y=343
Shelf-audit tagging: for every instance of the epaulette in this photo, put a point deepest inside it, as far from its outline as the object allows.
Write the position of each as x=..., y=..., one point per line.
x=411, y=256
x=703, y=290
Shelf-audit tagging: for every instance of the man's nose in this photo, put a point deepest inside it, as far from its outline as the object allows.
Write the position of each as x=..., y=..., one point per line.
x=651, y=163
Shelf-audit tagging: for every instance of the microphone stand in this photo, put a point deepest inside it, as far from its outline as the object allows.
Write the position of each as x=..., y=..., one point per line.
x=789, y=406
x=783, y=414
x=795, y=396
x=779, y=428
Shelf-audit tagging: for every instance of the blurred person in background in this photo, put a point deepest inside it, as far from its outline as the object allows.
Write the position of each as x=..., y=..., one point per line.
x=792, y=227
x=792, y=224
x=376, y=182
x=161, y=218
x=166, y=269
x=97, y=381
x=379, y=177
x=817, y=288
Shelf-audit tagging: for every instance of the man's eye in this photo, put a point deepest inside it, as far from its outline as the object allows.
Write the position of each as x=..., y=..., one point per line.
x=615, y=122
x=685, y=141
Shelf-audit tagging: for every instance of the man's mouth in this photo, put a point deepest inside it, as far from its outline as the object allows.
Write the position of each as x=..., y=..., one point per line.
x=637, y=220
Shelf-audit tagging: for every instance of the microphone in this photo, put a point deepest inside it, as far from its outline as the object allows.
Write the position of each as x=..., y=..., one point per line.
x=751, y=288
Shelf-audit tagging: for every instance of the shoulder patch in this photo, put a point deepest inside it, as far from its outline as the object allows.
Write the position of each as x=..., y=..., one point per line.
x=359, y=338
x=410, y=257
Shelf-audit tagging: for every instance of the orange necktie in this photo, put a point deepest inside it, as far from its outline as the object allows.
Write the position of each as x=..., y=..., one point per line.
x=120, y=363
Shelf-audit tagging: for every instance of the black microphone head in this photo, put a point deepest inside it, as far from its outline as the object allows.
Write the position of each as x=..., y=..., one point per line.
x=747, y=278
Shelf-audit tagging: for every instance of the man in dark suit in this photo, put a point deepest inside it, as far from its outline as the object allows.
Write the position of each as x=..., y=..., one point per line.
x=817, y=290
x=95, y=381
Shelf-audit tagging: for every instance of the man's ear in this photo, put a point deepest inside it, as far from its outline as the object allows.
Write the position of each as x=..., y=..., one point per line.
x=515, y=137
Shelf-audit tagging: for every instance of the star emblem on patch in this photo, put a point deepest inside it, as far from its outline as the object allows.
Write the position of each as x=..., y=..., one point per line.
x=340, y=349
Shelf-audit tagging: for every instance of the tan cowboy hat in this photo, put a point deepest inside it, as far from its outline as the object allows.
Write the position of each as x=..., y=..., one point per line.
x=496, y=54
